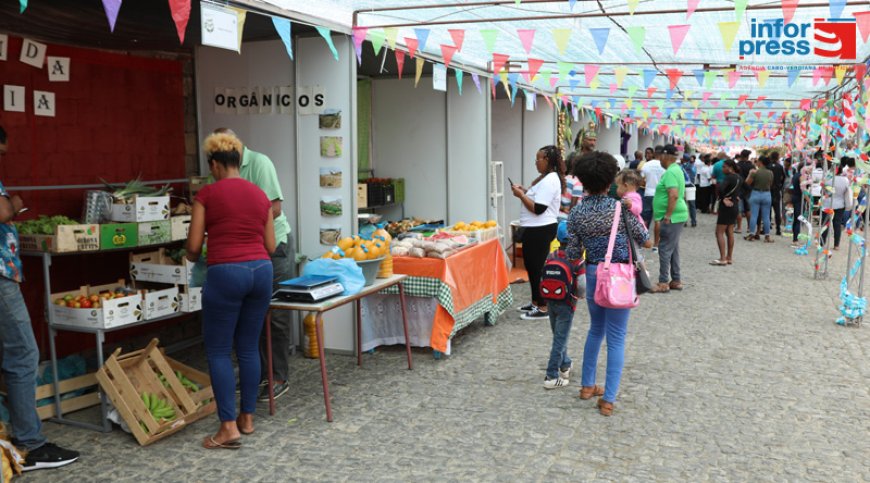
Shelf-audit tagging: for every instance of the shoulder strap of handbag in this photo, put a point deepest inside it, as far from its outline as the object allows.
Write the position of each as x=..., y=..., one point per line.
x=630, y=239
x=613, y=229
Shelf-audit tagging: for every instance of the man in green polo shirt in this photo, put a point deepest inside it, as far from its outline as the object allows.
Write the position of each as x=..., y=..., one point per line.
x=258, y=169
x=670, y=211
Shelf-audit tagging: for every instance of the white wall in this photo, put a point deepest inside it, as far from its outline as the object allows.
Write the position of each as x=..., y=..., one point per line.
x=539, y=130
x=468, y=154
x=263, y=64
x=644, y=141
x=609, y=138
x=632, y=144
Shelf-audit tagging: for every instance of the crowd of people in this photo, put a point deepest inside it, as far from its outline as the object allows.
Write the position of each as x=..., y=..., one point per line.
x=663, y=189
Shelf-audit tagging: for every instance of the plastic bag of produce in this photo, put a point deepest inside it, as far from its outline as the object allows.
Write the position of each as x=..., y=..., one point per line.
x=349, y=274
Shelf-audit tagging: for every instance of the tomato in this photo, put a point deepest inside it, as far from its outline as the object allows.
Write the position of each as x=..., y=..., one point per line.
x=86, y=304
x=71, y=304
x=94, y=298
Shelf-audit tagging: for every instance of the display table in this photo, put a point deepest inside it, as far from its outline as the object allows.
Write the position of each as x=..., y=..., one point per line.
x=394, y=282
x=445, y=297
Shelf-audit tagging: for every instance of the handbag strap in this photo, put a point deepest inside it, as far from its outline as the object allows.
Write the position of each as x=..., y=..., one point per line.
x=628, y=233
x=613, y=229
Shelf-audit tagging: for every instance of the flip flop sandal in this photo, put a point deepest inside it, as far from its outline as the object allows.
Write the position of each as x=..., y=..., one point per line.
x=210, y=443
x=768, y=240
x=738, y=231
x=730, y=262
x=718, y=263
x=749, y=238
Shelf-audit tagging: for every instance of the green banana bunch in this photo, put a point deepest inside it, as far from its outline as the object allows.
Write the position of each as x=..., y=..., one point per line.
x=187, y=383
x=158, y=407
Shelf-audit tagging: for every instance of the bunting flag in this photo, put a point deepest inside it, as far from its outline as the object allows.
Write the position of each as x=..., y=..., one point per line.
x=762, y=76
x=377, y=38
x=632, y=6
x=22, y=4
x=742, y=99
x=649, y=75
x=391, y=34
x=793, y=74
x=564, y=69
x=599, y=35
x=561, y=38
x=419, y=71
x=733, y=77
x=458, y=80
x=241, y=15
x=788, y=8
x=282, y=26
x=706, y=96
x=728, y=31
x=631, y=90
x=111, y=7
x=422, y=36
x=637, y=35
x=527, y=37
x=740, y=9
x=476, y=79
x=699, y=76
x=678, y=34
x=400, y=61
x=447, y=52
x=458, y=36
x=358, y=34
x=860, y=72
x=690, y=9
x=498, y=62
x=613, y=88
x=674, y=76
x=412, y=45
x=327, y=36
x=620, y=73
x=836, y=7
x=590, y=71
x=489, y=36
x=840, y=73
x=534, y=67
x=180, y=15
x=710, y=78
x=650, y=92
x=863, y=19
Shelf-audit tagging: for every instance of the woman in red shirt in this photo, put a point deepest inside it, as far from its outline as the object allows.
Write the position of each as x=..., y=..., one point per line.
x=236, y=294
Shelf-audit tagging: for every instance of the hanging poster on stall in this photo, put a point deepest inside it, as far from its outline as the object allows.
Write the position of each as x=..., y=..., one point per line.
x=439, y=77
x=530, y=101
x=330, y=234
x=4, y=46
x=33, y=53
x=330, y=177
x=330, y=146
x=310, y=99
x=220, y=27
x=330, y=206
x=43, y=103
x=13, y=98
x=58, y=69
x=330, y=119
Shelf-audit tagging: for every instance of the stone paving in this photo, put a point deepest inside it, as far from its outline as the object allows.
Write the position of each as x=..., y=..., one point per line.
x=743, y=376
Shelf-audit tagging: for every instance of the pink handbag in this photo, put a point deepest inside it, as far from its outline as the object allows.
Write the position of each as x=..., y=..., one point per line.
x=615, y=285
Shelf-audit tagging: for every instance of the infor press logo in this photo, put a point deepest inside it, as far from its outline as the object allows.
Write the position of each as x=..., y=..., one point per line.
x=834, y=38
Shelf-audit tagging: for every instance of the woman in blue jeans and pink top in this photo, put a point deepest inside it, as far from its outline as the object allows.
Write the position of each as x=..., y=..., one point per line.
x=237, y=216
x=589, y=226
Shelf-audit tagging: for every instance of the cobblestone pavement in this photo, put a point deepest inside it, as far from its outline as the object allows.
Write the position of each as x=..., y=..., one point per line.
x=743, y=376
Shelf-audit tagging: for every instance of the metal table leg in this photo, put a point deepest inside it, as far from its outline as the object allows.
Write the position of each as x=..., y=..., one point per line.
x=359, y=333
x=318, y=326
x=270, y=378
x=405, y=324
x=104, y=403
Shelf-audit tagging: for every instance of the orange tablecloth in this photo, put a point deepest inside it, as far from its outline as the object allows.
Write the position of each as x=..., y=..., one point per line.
x=472, y=275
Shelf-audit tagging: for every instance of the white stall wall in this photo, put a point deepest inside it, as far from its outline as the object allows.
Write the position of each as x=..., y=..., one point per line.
x=539, y=130
x=263, y=64
x=609, y=138
x=317, y=67
x=468, y=155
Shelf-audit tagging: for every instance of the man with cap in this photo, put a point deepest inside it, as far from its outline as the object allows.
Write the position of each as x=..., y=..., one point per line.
x=670, y=212
x=587, y=139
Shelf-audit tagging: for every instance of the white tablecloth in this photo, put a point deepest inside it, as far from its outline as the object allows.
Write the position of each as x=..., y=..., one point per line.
x=382, y=320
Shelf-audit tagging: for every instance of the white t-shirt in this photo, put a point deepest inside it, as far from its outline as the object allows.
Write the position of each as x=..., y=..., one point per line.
x=704, y=174
x=816, y=189
x=547, y=192
x=652, y=172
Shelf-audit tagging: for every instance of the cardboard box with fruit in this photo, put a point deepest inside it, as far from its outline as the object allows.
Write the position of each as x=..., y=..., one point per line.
x=97, y=307
x=158, y=266
x=479, y=230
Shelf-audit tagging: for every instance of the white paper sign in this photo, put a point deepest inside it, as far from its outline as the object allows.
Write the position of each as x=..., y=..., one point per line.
x=310, y=100
x=4, y=46
x=43, y=103
x=531, y=100
x=285, y=92
x=58, y=69
x=220, y=101
x=33, y=53
x=439, y=77
x=220, y=27
x=13, y=98
x=269, y=99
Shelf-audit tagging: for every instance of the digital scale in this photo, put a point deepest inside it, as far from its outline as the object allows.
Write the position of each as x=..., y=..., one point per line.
x=308, y=289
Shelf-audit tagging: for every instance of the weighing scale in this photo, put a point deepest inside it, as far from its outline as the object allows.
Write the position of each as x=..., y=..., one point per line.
x=308, y=289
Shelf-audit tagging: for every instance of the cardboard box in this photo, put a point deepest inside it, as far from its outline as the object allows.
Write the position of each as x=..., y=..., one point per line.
x=190, y=298
x=119, y=235
x=125, y=378
x=66, y=238
x=142, y=208
x=362, y=195
x=112, y=313
x=180, y=227
x=155, y=233
x=160, y=303
x=157, y=267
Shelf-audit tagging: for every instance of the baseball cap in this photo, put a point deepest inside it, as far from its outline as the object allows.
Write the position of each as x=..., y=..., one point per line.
x=669, y=149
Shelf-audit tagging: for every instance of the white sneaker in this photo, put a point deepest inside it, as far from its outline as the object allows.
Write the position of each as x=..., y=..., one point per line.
x=554, y=383
x=655, y=249
x=535, y=314
x=526, y=308
x=566, y=374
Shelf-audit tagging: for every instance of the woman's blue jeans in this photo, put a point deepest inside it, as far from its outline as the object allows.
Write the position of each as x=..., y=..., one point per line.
x=610, y=323
x=235, y=299
x=760, y=203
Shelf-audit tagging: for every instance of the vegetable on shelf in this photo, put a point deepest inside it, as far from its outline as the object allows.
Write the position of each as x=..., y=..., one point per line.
x=44, y=225
x=133, y=188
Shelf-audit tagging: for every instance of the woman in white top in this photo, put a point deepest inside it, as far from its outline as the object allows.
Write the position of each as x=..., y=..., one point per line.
x=839, y=201
x=705, y=183
x=538, y=219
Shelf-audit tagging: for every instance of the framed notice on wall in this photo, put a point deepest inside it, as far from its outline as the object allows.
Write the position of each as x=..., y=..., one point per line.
x=220, y=27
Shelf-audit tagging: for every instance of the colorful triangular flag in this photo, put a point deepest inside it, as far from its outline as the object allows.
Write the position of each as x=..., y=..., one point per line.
x=458, y=36
x=678, y=34
x=447, y=52
x=422, y=36
x=599, y=35
x=327, y=36
x=282, y=26
x=527, y=37
x=112, y=7
x=728, y=31
x=637, y=35
x=561, y=38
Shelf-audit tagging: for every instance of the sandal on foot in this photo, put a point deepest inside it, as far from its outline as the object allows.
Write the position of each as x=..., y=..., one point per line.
x=661, y=288
x=738, y=231
x=748, y=237
x=211, y=443
x=718, y=263
x=588, y=392
x=730, y=262
x=605, y=408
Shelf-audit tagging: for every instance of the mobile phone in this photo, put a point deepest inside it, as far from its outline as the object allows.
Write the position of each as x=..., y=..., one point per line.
x=22, y=210
x=510, y=181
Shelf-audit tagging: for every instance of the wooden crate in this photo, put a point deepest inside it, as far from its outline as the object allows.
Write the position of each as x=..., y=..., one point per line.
x=67, y=405
x=125, y=377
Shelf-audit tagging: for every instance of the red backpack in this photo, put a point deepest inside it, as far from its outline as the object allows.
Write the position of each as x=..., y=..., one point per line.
x=559, y=278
